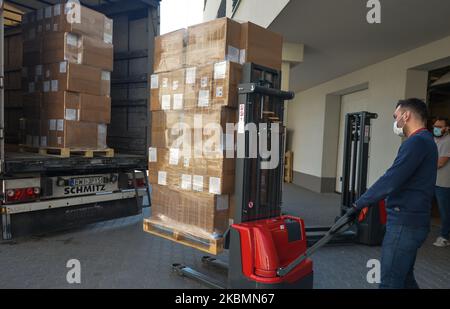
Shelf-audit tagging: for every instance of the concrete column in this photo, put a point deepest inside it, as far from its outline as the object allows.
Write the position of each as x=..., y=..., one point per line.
x=416, y=84
x=292, y=56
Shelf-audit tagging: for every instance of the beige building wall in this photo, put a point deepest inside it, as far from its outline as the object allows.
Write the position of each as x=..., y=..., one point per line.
x=312, y=115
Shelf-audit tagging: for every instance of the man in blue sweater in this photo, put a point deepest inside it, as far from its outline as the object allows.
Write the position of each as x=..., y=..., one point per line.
x=408, y=187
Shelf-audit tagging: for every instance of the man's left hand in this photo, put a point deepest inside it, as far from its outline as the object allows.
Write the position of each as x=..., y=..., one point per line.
x=363, y=214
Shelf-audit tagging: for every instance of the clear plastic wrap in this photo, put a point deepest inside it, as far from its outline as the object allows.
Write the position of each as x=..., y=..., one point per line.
x=196, y=214
x=170, y=51
x=203, y=87
x=188, y=150
x=194, y=95
x=214, y=41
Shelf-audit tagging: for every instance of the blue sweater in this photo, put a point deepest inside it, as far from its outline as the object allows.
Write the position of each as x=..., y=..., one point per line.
x=409, y=185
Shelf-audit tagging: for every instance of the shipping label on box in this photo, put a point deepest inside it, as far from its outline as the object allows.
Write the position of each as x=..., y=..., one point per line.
x=198, y=183
x=174, y=156
x=178, y=101
x=154, y=81
x=220, y=70
x=153, y=155
x=162, y=178
x=186, y=182
x=165, y=102
x=215, y=185
x=191, y=75
x=203, y=98
x=72, y=114
x=108, y=31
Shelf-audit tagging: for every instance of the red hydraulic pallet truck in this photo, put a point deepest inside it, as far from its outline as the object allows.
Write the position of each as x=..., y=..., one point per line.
x=269, y=250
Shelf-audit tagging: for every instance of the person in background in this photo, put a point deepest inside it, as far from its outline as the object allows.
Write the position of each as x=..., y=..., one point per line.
x=442, y=138
x=408, y=188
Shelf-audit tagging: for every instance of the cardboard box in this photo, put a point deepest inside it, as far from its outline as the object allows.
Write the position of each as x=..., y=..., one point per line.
x=32, y=106
x=32, y=74
x=167, y=90
x=171, y=129
x=65, y=76
x=76, y=135
x=199, y=85
x=214, y=41
x=13, y=52
x=208, y=176
x=97, y=53
x=206, y=125
x=212, y=176
x=197, y=214
x=170, y=51
x=105, y=83
x=90, y=23
x=261, y=46
x=35, y=133
x=60, y=47
x=74, y=106
x=163, y=177
x=13, y=80
x=227, y=77
x=32, y=52
x=215, y=85
x=78, y=49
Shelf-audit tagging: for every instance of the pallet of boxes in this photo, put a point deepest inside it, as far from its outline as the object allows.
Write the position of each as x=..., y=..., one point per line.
x=194, y=95
x=68, y=60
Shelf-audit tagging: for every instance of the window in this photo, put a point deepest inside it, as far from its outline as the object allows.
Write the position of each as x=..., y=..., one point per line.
x=222, y=12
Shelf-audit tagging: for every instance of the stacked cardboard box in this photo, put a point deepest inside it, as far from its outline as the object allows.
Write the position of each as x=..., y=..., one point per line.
x=194, y=95
x=13, y=108
x=68, y=60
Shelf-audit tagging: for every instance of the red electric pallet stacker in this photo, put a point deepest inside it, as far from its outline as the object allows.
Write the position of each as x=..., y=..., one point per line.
x=269, y=250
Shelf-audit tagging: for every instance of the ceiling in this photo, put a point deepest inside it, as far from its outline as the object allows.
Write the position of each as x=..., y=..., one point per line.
x=338, y=40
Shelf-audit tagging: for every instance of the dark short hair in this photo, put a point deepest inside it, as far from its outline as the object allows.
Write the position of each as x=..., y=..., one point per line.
x=444, y=119
x=416, y=106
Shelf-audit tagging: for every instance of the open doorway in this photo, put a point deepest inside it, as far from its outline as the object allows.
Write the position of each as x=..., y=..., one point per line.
x=350, y=103
x=439, y=105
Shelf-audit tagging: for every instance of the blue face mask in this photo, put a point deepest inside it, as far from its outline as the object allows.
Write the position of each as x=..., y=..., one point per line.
x=438, y=132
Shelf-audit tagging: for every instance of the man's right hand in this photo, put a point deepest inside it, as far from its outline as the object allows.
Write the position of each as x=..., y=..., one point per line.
x=352, y=213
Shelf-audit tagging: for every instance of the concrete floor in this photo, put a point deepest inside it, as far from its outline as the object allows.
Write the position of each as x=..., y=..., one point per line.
x=118, y=254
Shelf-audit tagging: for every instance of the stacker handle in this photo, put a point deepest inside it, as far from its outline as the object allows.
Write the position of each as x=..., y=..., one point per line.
x=344, y=222
x=254, y=88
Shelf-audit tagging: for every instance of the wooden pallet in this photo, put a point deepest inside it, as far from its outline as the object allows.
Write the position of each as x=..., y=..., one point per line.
x=210, y=246
x=67, y=152
x=289, y=167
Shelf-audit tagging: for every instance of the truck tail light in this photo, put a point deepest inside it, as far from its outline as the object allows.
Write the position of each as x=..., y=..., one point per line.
x=140, y=183
x=22, y=195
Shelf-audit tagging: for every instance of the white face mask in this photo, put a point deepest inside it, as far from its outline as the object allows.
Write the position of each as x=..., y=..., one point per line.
x=399, y=131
